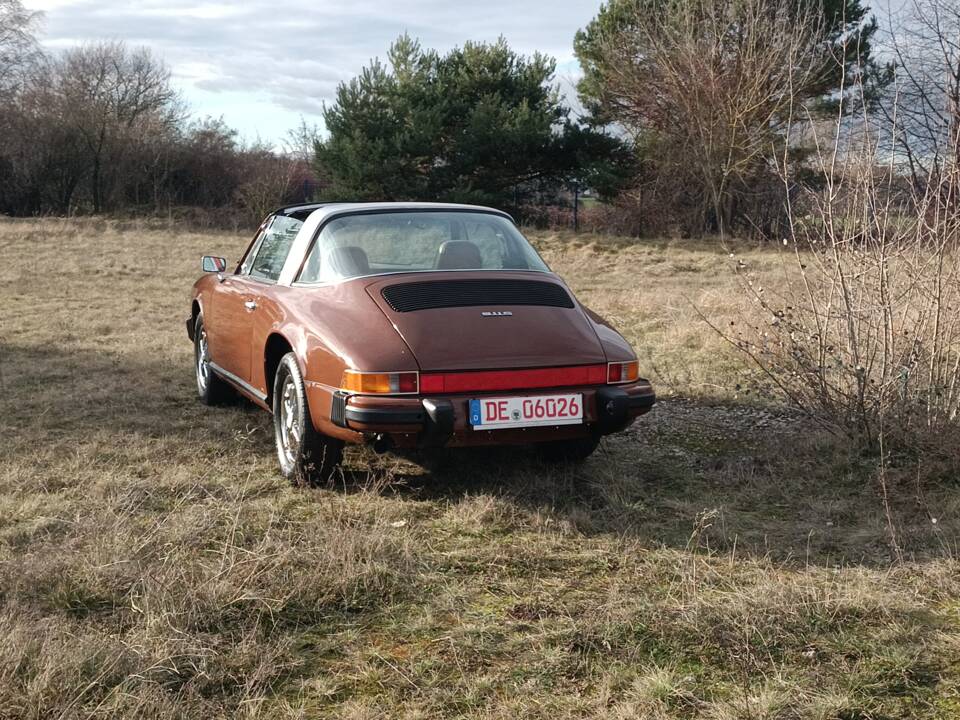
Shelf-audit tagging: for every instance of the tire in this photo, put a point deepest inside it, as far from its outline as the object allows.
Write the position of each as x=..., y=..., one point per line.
x=567, y=451
x=211, y=389
x=307, y=458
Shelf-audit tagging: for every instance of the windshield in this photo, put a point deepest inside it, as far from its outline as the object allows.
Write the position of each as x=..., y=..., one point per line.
x=379, y=243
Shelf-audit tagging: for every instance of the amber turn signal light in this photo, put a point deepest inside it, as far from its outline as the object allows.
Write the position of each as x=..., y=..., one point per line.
x=399, y=383
x=622, y=372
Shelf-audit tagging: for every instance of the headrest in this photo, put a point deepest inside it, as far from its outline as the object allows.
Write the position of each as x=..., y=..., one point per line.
x=349, y=261
x=459, y=255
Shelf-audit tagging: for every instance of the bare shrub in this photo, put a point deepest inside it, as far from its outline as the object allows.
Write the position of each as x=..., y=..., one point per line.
x=622, y=217
x=863, y=333
x=268, y=181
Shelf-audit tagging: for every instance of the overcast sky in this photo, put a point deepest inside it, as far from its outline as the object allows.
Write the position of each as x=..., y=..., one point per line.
x=262, y=64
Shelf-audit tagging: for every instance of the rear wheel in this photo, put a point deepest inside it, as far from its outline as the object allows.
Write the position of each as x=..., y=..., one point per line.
x=567, y=451
x=211, y=389
x=307, y=458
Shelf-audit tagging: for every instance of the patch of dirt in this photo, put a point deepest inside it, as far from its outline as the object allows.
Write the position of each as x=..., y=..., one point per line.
x=696, y=428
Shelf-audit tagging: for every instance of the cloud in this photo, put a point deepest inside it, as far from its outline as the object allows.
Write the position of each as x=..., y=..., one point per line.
x=291, y=54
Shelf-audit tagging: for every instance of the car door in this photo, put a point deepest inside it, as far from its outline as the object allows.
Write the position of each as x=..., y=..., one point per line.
x=238, y=297
x=263, y=274
x=229, y=318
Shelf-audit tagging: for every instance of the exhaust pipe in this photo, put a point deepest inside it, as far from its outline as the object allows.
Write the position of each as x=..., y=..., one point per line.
x=382, y=443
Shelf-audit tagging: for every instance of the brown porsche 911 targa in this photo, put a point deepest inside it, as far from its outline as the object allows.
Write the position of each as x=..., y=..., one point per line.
x=407, y=325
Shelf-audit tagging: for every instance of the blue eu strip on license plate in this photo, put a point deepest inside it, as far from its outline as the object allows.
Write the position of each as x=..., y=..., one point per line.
x=475, y=416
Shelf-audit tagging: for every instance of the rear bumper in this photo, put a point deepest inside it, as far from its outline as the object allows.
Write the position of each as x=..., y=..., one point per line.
x=443, y=420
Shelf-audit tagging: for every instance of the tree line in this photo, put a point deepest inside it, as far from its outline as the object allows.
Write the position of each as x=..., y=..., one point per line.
x=99, y=128
x=696, y=116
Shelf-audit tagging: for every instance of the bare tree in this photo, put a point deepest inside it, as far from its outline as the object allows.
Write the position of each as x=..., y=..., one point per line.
x=19, y=55
x=111, y=95
x=18, y=46
x=301, y=141
x=715, y=81
x=922, y=108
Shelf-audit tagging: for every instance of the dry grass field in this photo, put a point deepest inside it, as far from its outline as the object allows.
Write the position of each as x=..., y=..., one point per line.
x=718, y=560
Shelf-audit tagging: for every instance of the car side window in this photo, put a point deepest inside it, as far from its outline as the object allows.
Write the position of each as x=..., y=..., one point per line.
x=269, y=257
x=247, y=263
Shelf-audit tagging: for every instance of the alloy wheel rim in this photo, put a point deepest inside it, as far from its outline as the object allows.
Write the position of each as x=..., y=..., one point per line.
x=288, y=421
x=203, y=362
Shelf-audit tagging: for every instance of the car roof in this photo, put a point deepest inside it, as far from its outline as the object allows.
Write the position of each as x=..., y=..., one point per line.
x=313, y=215
x=301, y=211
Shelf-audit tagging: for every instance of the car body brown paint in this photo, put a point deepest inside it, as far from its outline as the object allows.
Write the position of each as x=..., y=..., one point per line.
x=348, y=325
x=460, y=338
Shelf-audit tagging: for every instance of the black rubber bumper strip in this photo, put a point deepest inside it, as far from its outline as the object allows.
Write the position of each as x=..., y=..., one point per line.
x=637, y=402
x=385, y=416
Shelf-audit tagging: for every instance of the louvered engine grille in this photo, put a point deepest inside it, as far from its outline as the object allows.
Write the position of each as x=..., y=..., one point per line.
x=408, y=297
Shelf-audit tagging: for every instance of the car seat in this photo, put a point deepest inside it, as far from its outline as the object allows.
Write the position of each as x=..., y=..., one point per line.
x=459, y=255
x=349, y=261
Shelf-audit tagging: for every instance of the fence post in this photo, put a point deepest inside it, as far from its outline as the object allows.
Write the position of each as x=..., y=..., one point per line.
x=576, y=206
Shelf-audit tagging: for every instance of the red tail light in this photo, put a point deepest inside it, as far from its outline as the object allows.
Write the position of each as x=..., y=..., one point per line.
x=622, y=372
x=407, y=382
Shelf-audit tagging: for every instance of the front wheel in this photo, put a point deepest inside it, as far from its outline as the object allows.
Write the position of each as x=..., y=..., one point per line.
x=210, y=388
x=307, y=458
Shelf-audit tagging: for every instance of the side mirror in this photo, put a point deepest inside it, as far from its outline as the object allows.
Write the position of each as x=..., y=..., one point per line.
x=212, y=263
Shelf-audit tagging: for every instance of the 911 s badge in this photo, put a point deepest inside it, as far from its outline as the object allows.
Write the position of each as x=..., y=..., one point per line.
x=496, y=313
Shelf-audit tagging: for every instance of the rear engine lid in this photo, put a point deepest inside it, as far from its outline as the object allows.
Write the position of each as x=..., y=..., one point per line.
x=484, y=321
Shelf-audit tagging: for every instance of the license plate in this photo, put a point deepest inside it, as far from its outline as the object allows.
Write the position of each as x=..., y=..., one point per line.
x=512, y=412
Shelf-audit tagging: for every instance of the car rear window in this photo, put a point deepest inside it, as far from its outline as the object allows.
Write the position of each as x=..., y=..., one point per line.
x=382, y=243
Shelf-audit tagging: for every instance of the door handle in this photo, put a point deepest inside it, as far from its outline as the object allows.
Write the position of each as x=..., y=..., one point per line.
x=250, y=305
